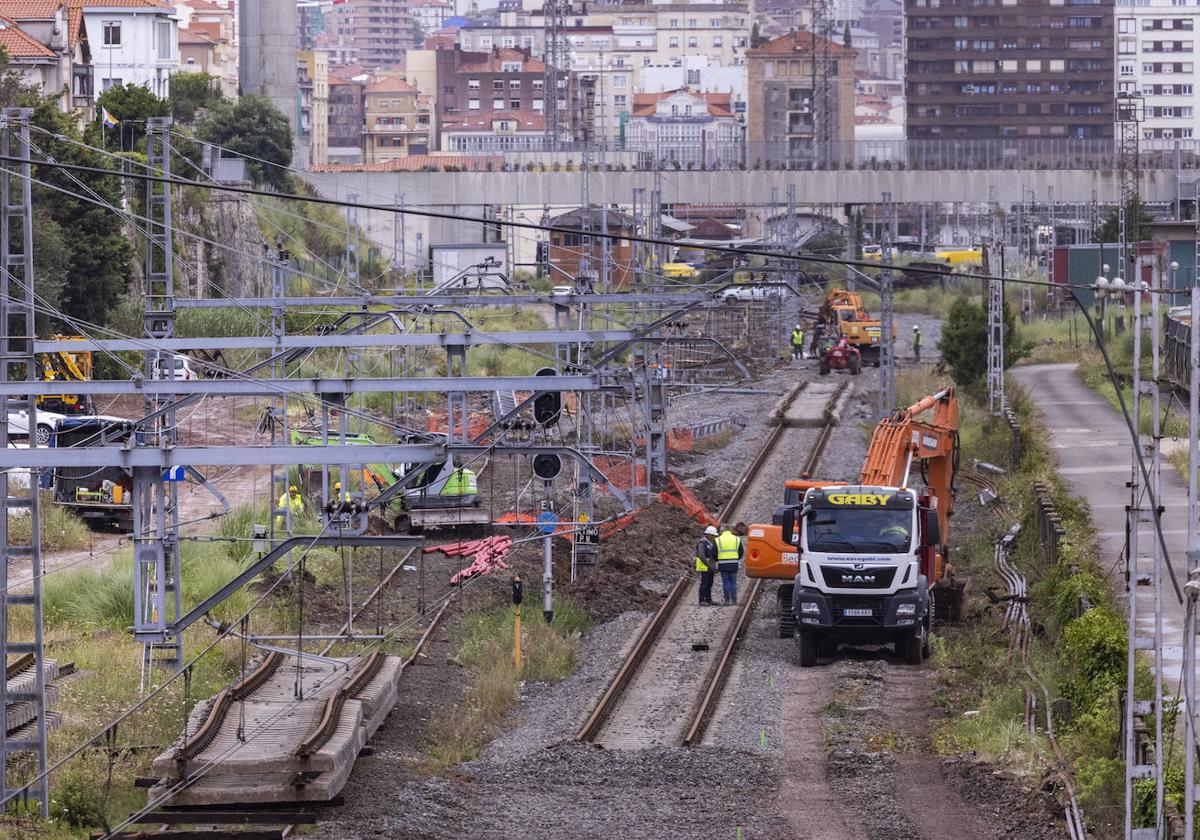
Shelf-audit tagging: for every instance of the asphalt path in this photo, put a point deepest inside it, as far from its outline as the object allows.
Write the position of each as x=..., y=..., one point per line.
x=1092, y=445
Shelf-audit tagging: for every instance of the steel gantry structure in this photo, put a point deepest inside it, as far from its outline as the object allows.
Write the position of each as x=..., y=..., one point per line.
x=594, y=366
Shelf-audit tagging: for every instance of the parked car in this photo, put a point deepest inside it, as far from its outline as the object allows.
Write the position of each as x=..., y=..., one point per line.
x=562, y=291
x=174, y=367
x=47, y=423
x=745, y=294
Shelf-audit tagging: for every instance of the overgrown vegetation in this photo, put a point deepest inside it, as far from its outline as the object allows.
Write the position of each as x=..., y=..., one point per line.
x=1079, y=655
x=548, y=655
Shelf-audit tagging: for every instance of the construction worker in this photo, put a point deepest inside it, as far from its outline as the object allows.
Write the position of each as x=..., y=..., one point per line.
x=894, y=534
x=797, y=342
x=729, y=554
x=340, y=502
x=291, y=502
x=706, y=559
x=917, y=343
x=462, y=482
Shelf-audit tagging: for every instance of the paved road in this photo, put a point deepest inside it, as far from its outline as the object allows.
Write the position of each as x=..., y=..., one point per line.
x=1091, y=442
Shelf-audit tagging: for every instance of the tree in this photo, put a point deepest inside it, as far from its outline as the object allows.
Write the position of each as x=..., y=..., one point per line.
x=1137, y=224
x=131, y=104
x=191, y=92
x=252, y=127
x=964, y=341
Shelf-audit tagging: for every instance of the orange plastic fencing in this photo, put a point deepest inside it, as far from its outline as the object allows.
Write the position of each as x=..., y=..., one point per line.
x=477, y=423
x=680, y=496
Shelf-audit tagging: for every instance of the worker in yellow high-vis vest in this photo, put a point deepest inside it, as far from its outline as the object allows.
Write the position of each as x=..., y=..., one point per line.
x=729, y=556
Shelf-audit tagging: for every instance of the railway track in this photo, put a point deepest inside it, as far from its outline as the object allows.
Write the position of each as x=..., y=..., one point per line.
x=641, y=706
x=258, y=762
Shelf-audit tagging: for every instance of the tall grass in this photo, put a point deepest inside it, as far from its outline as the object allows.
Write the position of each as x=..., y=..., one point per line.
x=61, y=529
x=548, y=655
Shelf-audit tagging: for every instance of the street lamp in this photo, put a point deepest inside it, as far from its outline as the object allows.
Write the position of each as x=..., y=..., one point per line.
x=1174, y=266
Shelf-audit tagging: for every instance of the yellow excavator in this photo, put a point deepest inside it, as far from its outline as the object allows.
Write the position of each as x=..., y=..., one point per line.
x=842, y=315
x=66, y=366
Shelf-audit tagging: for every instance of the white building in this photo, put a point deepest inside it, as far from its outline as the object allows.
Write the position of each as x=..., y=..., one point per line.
x=698, y=72
x=686, y=128
x=133, y=41
x=1155, y=59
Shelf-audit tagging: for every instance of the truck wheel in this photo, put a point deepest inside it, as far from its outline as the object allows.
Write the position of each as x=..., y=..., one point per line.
x=808, y=648
x=787, y=619
x=909, y=647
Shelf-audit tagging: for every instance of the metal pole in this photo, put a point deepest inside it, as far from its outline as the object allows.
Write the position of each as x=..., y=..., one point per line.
x=1156, y=483
x=547, y=578
x=1133, y=520
x=887, y=347
x=1193, y=561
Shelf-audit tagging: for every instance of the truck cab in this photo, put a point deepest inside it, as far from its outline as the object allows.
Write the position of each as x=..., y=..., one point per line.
x=865, y=559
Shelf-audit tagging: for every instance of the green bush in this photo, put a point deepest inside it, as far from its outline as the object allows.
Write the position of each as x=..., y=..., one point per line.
x=1093, y=652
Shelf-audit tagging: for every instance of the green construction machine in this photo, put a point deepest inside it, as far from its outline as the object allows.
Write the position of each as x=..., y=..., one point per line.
x=408, y=497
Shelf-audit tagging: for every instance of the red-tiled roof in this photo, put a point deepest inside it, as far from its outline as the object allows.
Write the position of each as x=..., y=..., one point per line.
x=493, y=62
x=205, y=6
x=801, y=42
x=482, y=121
x=390, y=84
x=93, y=5
x=416, y=163
x=20, y=45
x=194, y=35
x=719, y=104
x=24, y=10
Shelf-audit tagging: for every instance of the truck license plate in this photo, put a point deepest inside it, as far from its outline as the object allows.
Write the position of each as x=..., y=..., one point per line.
x=854, y=613
x=790, y=558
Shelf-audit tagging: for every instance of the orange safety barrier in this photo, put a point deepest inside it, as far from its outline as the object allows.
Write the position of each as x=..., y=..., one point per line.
x=619, y=474
x=477, y=423
x=680, y=439
x=680, y=496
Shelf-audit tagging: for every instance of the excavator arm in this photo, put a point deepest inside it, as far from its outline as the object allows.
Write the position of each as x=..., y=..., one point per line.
x=905, y=441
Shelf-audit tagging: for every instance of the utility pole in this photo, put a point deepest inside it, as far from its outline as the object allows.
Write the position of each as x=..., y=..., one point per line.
x=887, y=340
x=155, y=500
x=993, y=267
x=18, y=363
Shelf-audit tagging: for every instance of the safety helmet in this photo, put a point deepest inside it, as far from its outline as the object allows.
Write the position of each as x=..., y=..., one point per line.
x=711, y=531
x=915, y=328
x=293, y=489
x=337, y=486
x=797, y=326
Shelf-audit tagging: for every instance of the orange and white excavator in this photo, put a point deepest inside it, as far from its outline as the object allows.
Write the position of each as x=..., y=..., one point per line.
x=865, y=561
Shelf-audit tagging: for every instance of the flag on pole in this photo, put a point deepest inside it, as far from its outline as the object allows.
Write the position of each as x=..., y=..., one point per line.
x=108, y=119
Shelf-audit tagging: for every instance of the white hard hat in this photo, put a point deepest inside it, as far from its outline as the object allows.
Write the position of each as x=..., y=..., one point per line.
x=711, y=531
x=797, y=326
x=915, y=327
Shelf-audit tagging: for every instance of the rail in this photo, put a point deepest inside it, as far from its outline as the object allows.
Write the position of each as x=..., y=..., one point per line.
x=202, y=737
x=18, y=665
x=714, y=683
x=332, y=712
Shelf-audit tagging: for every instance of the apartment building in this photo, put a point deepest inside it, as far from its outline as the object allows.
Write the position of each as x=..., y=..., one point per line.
x=1018, y=69
x=371, y=33
x=1156, y=60
x=789, y=98
x=47, y=43
x=345, y=135
x=398, y=120
x=475, y=83
x=133, y=42
x=687, y=128
x=208, y=42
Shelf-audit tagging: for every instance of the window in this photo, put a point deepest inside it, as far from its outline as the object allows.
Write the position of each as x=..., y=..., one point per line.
x=105, y=84
x=962, y=22
x=1033, y=87
x=473, y=84
x=693, y=76
x=1126, y=46
x=497, y=85
x=693, y=41
x=485, y=41
x=714, y=23
x=472, y=104
x=1126, y=70
x=674, y=23
x=692, y=23
x=673, y=41
x=1185, y=133
x=619, y=100
x=618, y=81
x=497, y=104
x=515, y=104
x=538, y=84
x=1125, y=26
x=1034, y=65
x=112, y=33
x=514, y=84
x=718, y=41
x=538, y=104
x=510, y=41
x=1186, y=90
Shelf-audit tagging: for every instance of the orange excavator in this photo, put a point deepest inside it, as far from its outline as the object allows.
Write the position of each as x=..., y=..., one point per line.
x=864, y=562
